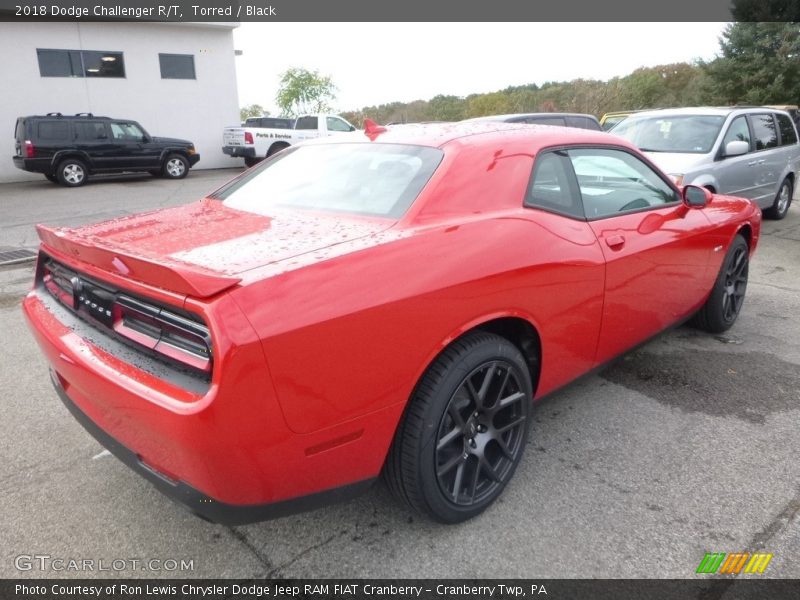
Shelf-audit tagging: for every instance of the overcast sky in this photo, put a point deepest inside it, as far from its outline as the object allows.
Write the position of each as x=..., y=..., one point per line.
x=375, y=63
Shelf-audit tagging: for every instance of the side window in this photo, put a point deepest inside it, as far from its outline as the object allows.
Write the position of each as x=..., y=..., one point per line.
x=788, y=133
x=126, y=132
x=613, y=182
x=306, y=123
x=90, y=131
x=764, y=131
x=583, y=123
x=53, y=131
x=737, y=132
x=552, y=185
x=556, y=121
x=335, y=124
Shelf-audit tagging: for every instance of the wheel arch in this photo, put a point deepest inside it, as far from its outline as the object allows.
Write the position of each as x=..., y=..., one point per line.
x=746, y=231
x=276, y=147
x=524, y=336
x=64, y=154
x=518, y=328
x=168, y=151
x=706, y=180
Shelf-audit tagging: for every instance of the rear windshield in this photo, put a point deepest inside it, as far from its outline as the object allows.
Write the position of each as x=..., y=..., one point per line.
x=684, y=134
x=19, y=130
x=361, y=178
x=269, y=123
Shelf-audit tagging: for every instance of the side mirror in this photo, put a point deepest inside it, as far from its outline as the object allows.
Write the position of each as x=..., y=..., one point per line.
x=352, y=128
x=695, y=196
x=737, y=148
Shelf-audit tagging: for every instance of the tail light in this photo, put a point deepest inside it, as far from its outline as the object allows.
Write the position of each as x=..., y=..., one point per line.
x=248, y=137
x=162, y=331
x=30, y=150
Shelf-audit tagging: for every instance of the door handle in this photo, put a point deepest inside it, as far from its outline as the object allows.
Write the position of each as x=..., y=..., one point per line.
x=615, y=241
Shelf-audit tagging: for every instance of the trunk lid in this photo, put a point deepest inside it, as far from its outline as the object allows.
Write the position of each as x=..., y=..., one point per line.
x=201, y=249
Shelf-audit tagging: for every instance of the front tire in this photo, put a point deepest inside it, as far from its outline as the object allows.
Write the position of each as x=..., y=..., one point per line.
x=71, y=172
x=464, y=430
x=725, y=302
x=175, y=167
x=783, y=200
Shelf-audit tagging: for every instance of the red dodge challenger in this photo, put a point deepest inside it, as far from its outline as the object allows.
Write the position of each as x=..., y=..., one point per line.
x=386, y=305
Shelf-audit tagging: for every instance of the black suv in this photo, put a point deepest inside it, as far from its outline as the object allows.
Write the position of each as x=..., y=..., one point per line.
x=67, y=149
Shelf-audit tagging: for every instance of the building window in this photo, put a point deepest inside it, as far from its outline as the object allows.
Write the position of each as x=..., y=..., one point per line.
x=177, y=66
x=80, y=63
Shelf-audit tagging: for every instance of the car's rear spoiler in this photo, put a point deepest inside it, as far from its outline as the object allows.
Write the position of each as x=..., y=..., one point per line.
x=167, y=274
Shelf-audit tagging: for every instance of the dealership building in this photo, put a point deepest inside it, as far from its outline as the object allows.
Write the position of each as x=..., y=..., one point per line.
x=176, y=79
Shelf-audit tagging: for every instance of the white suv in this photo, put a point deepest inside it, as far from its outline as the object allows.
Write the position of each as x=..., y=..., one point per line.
x=749, y=152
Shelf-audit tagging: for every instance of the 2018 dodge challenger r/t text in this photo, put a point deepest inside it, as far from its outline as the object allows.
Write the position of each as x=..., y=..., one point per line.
x=388, y=304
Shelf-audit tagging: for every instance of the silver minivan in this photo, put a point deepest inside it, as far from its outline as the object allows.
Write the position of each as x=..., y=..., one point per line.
x=750, y=152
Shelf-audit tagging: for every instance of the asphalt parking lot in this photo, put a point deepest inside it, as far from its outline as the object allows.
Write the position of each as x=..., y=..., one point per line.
x=688, y=445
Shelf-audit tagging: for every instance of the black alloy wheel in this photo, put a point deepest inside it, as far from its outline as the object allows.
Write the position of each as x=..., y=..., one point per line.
x=735, y=284
x=464, y=429
x=481, y=434
x=725, y=302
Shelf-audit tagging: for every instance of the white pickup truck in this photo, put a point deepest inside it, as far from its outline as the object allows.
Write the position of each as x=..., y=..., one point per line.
x=257, y=143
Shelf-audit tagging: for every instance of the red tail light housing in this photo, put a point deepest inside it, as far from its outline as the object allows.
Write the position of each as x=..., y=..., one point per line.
x=248, y=137
x=162, y=331
x=167, y=333
x=30, y=150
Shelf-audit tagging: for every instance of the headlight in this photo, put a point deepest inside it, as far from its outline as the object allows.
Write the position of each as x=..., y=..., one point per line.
x=191, y=150
x=677, y=178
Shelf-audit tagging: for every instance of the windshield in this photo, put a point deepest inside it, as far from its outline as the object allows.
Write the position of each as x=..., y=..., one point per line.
x=361, y=178
x=692, y=134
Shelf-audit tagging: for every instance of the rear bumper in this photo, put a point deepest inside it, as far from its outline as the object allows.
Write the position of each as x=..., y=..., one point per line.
x=34, y=165
x=226, y=454
x=239, y=151
x=196, y=501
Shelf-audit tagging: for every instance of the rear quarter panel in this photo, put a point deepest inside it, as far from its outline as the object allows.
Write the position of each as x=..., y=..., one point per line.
x=352, y=330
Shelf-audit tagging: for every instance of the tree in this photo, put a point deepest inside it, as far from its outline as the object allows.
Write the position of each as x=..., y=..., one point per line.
x=493, y=103
x=303, y=91
x=447, y=108
x=759, y=64
x=252, y=110
x=766, y=10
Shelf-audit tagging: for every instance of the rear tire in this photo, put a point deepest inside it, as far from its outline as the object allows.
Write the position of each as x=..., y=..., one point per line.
x=175, y=167
x=783, y=200
x=51, y=178
x=71, y=172
x=275, y=148
x=464, y=430
x=722, y=308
